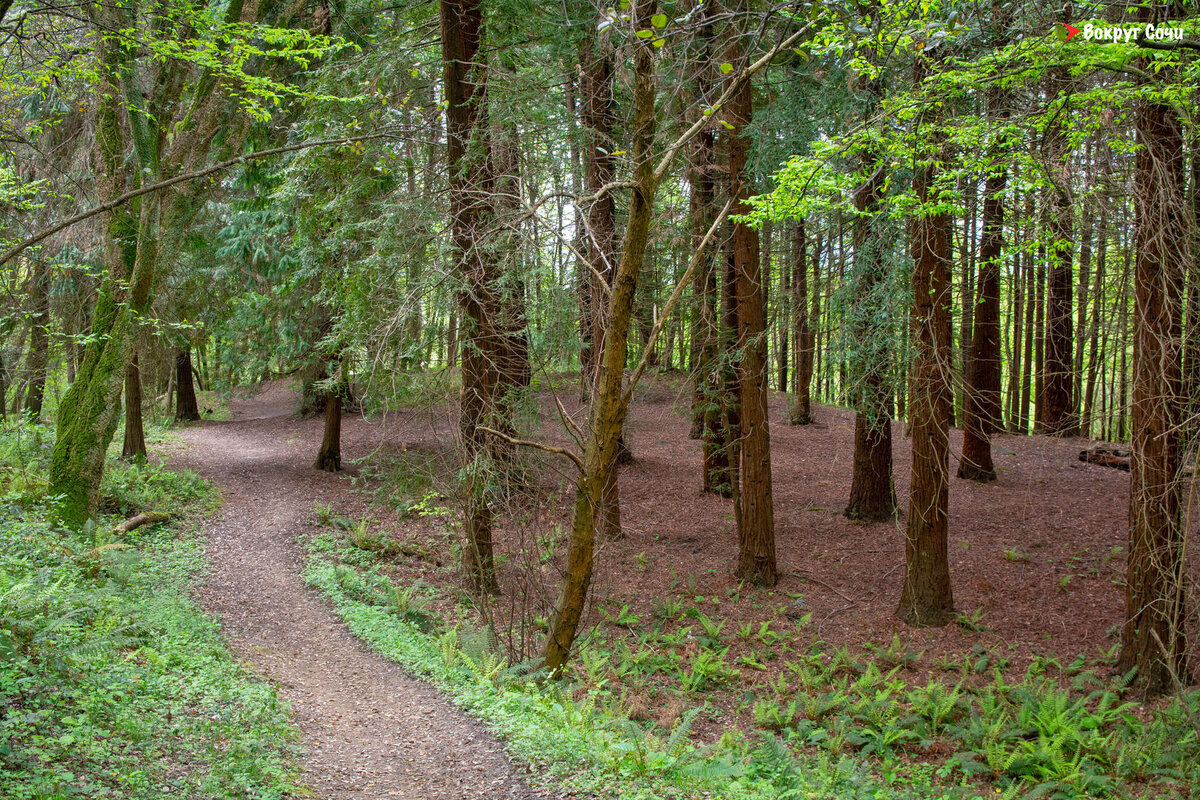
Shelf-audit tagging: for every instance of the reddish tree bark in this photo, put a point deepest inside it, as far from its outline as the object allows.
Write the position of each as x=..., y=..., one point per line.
x=755, y=510
x=1152, y=639
x=926, y=598
x=802, y=410
x=1057, y=417
x=134, y=445
x=186, y=407
x=983, y=414
x=329, y=457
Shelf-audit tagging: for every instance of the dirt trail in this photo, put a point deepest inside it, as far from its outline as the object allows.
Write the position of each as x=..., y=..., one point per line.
x=369, y=729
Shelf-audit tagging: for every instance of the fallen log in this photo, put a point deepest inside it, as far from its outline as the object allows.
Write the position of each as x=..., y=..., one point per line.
x=145, y=518
x=1106, y=457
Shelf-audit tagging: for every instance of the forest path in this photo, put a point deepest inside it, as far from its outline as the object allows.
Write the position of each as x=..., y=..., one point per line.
x=369, y=729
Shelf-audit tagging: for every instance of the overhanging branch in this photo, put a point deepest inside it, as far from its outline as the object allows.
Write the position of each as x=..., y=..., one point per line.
x=117, y=202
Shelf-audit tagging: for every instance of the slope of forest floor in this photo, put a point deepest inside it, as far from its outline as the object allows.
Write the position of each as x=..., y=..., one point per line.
x=1037, y=559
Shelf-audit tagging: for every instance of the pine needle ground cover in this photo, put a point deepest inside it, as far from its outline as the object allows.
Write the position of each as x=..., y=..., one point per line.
x=836, y=724
x=113, y=684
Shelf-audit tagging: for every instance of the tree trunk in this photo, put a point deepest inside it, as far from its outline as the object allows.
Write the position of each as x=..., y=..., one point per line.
x=1191, y=356
x=1057, y=418
x=39, y=339
x=90, y=408
x=135, y=435
x=1039, y=345
x=704, y=281
x=1087, y=413
x=610, y=403
x=872, y=489
x=802, y=410
x=926, y=599
x=186, y=407
x=967, y=292
x=983, y=415
x=472, y=184
x=756, y=515
x=1152, y=639
x=329, y=457
x=1018, y=344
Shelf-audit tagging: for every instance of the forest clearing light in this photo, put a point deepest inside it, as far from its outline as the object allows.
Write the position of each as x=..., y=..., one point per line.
x=1105, y=33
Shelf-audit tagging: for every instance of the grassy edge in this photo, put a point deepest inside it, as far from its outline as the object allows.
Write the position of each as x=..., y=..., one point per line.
x=170, y=697
x=577, y=746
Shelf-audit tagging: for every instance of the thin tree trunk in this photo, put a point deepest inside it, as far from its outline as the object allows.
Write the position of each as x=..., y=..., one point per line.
x=134, y=446
x=802, y=411
x=968, y=295
x=38, y=358
x=1018, y=345
x=983, y=410
x=1087, y=413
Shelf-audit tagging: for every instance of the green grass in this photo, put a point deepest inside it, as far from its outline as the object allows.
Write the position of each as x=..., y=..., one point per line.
x=112, y=683
x=571, y=733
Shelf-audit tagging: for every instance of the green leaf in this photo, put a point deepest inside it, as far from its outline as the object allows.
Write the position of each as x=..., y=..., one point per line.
x=726, y=68
x=645, y=34
x=659, y=20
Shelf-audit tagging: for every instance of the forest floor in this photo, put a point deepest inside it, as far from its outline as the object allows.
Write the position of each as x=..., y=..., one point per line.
x=1037, y=557
x=1037, y=561
x=369, y=730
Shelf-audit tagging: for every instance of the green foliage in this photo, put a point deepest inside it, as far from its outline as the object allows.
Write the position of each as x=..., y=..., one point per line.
x=112, y=683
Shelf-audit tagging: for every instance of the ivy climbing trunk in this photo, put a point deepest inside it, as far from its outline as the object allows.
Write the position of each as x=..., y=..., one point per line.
x=1152, y=639
x=926, y=598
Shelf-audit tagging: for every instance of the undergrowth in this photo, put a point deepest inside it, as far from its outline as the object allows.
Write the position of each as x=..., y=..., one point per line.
x=568, y=730
x=112, y=683
x=830, y=723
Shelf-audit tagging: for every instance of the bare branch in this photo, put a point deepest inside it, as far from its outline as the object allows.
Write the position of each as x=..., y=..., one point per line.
x=562, y=451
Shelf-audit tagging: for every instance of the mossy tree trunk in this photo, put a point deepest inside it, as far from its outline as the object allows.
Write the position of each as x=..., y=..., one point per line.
x=609, y=403
x=90, y=408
